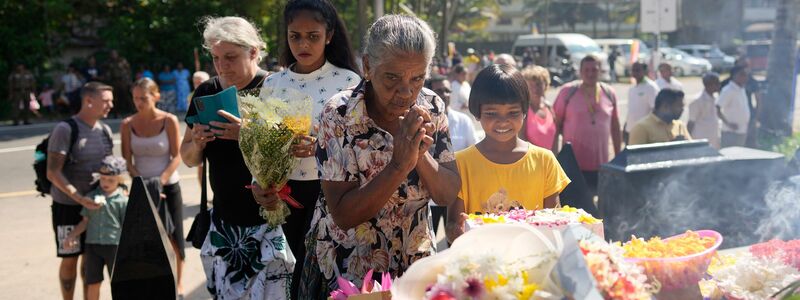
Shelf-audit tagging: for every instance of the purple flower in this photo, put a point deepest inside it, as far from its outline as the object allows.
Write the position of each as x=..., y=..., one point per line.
x=475, y=288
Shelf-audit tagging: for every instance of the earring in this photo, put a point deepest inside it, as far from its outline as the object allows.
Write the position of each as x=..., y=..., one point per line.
x=90, y=105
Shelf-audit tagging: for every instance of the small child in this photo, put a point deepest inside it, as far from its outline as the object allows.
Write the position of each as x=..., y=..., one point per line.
x=103, y=226
x=503, y=170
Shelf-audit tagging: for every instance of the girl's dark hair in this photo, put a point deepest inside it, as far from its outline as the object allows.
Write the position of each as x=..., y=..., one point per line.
x=498, y=84
x=338, y=52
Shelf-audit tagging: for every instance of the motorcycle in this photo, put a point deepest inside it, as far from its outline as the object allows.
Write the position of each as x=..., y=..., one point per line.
x=563, y=73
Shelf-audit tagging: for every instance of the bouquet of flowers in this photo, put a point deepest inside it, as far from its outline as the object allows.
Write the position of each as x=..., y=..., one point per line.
x=270, y=126
x=500, y=261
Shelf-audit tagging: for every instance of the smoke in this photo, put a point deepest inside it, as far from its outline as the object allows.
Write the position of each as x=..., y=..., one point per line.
x=728, y=197
x=783, y=207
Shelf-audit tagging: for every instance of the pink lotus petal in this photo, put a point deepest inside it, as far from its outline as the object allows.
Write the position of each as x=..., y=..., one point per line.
x=338, y=295
x=347, y=287
x=366, y=286
x=386, y=281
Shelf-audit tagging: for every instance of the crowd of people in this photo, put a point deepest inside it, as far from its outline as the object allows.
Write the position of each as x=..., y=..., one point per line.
x=53, y=100
x=393, y=140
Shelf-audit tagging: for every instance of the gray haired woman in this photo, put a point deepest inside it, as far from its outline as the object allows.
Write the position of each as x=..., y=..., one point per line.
x=384, y=152
x=242, y=256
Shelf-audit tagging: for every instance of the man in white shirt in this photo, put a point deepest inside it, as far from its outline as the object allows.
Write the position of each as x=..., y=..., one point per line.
x=703, y=119
x=641, y=97
x=666, y=80
x=461, y=129
x=461, y=89
x=733, y=110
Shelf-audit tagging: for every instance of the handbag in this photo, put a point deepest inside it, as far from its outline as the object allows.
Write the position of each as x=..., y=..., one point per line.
x=202, y=221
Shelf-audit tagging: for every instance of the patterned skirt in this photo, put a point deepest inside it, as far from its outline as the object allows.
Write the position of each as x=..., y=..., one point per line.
x=247, y=262
x=313, y=284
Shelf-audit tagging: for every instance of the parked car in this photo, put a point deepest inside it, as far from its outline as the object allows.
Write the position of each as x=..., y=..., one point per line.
x=684, y=64
x=720, y=61
x=571, y=46
x=623, y=64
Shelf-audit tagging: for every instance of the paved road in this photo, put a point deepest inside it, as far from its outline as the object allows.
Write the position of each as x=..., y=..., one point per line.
x=29, y=266
x=28, y=256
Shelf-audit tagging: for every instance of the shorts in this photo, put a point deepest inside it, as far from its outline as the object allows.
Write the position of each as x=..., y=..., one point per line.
x=95, y=258
x=65, y=218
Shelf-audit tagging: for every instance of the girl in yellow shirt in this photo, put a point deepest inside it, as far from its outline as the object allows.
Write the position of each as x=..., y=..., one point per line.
x=503, y=170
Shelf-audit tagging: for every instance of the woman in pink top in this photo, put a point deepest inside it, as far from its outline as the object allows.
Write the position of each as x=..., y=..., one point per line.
x=586, y=116
x=540, y=125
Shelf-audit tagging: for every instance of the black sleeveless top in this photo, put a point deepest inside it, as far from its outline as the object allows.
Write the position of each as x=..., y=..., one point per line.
x=227, y=172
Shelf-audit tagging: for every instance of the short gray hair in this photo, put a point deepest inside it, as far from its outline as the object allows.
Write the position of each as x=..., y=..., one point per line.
x=201, y=75
x=505, y=58
x=234, y=30
x=399, y=34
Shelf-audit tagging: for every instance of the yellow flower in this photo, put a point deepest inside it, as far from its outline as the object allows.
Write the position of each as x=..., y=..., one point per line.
x=298, y=124
x=488, y=219
x=588, y=219
x=568, y=209
x=491, y=283
x=527, y=291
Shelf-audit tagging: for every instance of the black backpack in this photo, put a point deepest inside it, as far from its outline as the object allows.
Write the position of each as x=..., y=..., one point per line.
x=43, y=184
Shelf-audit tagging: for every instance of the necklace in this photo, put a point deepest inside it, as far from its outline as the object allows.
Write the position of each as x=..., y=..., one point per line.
x=591, y=105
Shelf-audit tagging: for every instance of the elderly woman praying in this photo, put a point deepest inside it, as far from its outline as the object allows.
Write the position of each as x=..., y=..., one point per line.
x=384, y=152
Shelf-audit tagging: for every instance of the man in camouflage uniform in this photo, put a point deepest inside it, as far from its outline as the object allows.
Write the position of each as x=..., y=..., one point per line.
x=118, y=75
x=21, y=84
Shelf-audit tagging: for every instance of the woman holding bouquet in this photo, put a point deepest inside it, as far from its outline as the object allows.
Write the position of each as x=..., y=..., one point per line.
x=318, y=63
x=242, y=256
x=384, y=152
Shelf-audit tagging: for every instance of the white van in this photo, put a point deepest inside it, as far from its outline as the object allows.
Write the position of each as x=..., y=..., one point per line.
x=573, y=46
x=623, y=64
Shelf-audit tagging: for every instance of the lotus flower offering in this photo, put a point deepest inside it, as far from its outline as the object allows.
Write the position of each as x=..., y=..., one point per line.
x=270, y=125
x=554, y=218
x=370, y=289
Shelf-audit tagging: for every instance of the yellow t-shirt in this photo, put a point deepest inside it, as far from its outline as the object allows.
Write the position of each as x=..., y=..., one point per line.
x=527, y=181
x=652, y=129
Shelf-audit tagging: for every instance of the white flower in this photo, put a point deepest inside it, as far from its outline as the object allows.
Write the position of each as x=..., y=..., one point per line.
x=754, y=278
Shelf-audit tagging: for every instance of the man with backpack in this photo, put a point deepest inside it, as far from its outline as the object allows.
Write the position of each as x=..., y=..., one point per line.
x=586, y=116
x=71, y=159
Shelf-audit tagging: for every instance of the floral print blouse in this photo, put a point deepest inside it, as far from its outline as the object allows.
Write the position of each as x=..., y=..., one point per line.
x=354, y=149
